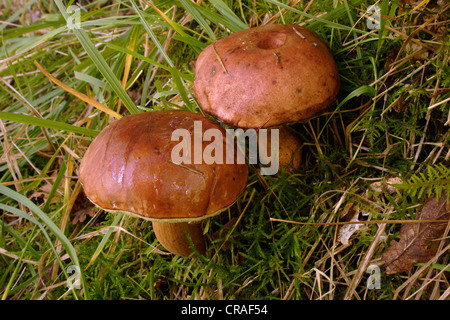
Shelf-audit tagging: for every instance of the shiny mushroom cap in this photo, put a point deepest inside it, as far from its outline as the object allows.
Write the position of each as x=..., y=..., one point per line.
x=266, y=76
x=128, y=168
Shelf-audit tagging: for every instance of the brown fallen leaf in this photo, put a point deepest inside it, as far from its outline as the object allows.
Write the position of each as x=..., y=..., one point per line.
x=82, y=214
x=82, y=208
x=416, y=243
x=43, y=192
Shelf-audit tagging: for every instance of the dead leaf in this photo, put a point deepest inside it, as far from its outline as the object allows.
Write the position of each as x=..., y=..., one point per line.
x=354, y=211
x=82, y=208
x=416, y=240
x=82, y=214
x=346, y=231
x=43, y=192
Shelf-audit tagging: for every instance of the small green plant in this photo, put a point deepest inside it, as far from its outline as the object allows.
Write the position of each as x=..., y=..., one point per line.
x=432, y=179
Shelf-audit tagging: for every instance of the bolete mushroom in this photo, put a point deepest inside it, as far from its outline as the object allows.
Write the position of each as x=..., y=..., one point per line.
x=129, y=168
x=265, y=77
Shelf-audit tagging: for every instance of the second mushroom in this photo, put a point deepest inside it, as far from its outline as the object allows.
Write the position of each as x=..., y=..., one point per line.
x=265, y=77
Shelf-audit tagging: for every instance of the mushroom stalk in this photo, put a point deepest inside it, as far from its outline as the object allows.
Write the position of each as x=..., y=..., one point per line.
x=289, y=148
x=173, y=237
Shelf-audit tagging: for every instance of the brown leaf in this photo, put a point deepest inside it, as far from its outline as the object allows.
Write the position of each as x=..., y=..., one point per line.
x=43, y=192
x=416, y=239
x=82, y=214
x=82, y=208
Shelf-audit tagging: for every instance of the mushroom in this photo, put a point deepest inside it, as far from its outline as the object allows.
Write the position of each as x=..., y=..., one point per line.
x=129, y=168
x=265, y=77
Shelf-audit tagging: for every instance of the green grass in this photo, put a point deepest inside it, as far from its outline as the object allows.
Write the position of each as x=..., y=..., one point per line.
x=391, y=119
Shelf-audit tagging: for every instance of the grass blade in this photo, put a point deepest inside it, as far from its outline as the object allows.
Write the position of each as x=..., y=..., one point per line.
x=21, y=118
x=46, y=222
x=235, y=23
x=104, y=240
x=152, y=34
x=323, y=20
x=100, y=62
x=79, y=95
x=192, y=10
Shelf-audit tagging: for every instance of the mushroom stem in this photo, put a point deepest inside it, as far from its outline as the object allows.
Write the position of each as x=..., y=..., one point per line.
x=173, y=237
x=289, y=149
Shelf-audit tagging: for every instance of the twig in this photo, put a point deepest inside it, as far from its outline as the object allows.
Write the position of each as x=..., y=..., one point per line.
x=298, y=33
x=218, y=57
x=358, y=222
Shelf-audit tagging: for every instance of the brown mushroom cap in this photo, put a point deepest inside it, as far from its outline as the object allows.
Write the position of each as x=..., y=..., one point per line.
x=266, y=76
x=128, y=169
